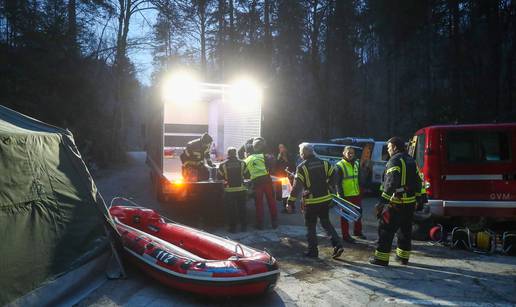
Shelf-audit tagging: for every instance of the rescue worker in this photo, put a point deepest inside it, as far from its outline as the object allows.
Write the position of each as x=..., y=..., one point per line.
x=196, y=156
x=247, y=149
x=421, y=197
x=397, y=202
x=258, y=167
x=232, y=172
x=314, y=176
x=283, y=163
x=347, y=187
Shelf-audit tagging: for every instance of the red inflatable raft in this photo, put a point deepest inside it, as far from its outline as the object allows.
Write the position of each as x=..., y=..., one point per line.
x=192, y=260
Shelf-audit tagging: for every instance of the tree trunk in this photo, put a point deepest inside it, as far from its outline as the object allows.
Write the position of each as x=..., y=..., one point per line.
x=252, y=23
x=221, y=37
x=453, y=6
x=202, y=15
x=72, y=26
x=314, y=41
x=267, y=35
x=494, y=34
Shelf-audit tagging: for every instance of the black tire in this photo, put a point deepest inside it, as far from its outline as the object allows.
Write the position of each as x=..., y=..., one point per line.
x=421, y=230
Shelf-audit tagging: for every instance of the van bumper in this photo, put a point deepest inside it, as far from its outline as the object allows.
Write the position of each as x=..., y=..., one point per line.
x=448, y=208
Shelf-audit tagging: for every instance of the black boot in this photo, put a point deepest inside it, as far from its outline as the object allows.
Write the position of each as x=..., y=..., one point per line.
x=401, y=261
x=373, y=260
x=337, y=251
x=274, y=224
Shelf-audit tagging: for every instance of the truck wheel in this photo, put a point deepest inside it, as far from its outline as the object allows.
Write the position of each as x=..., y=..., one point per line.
x=420, y=230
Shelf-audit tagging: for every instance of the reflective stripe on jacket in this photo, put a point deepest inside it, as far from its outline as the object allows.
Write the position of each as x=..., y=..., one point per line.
x=314, y=176
x=232, y=172
x=401, y=180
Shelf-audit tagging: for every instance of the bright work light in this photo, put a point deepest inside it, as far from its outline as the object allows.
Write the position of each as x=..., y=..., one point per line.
x=181, y=88
x=245, y=92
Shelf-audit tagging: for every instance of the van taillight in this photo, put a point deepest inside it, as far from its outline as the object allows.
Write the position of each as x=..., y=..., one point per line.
x=168, y=152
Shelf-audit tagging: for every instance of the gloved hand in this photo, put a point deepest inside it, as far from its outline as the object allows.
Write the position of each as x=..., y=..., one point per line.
x=420, y=202
x=290, y=206
x=209, y=163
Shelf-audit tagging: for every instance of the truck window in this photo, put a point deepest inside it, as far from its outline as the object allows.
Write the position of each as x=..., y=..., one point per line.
x=385, y=153
x=478, y=146
x=419, y=153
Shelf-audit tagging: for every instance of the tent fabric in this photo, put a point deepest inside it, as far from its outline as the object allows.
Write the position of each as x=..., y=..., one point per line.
x=51, y=215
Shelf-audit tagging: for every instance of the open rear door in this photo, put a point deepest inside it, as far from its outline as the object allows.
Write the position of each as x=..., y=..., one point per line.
x=366, y=169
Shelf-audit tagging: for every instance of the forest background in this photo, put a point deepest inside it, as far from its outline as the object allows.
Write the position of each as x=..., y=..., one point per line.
x=330, y=68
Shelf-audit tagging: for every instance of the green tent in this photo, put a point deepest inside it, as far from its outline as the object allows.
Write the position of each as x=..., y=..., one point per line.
x=51, y=215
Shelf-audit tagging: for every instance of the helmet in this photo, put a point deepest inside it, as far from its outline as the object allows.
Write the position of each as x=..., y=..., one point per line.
x=258, y=144
x=206, y=138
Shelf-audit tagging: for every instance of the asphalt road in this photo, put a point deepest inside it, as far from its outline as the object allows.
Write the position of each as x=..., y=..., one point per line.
x=437, y=275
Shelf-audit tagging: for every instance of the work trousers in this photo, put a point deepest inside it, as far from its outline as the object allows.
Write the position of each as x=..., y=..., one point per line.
x=396, y=218
x=236, y=209
x=357, y=226
x=264, y=188
x=321, y=211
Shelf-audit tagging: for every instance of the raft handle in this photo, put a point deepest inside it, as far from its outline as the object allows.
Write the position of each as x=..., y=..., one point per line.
x=132, y=203
x=270, y=256
x=236, y=250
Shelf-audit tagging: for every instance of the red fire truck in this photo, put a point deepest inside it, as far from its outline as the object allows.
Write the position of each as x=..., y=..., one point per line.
x=469, y=170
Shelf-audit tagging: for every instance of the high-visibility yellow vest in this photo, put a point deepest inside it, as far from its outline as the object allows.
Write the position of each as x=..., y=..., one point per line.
x=423, y=188
x=256, y=165
x=350, y=184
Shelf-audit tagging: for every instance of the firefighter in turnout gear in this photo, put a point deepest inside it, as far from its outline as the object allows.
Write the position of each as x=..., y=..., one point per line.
x=421, y=197
x=247, y=149
x=315, y=177
x=395, y=210
x=232, y=172
x=258, y=167
x=195, y=158
x=347, y=186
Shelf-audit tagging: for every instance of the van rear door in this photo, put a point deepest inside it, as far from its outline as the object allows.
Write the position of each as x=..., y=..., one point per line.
x=478, y=165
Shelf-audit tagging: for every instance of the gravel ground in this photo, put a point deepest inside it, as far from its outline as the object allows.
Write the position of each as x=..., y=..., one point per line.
x=437, y=275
